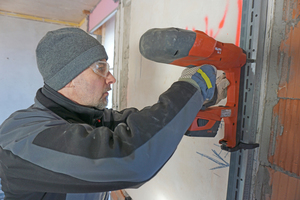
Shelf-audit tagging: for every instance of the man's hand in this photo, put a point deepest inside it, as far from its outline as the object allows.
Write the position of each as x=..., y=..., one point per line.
x=222, y=84
x=220, y=92
x=202, y=77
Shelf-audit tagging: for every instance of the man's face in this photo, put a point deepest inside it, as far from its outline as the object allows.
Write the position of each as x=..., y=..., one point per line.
x=91, y=89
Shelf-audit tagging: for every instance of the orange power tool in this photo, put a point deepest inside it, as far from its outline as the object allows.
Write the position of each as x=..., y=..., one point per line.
x=185, y=48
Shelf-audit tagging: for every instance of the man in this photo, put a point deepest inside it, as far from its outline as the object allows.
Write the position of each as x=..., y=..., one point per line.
x=67, y=144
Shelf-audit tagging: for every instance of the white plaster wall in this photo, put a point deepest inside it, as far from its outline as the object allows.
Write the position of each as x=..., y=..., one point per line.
x=198, y=169
x=19, y=75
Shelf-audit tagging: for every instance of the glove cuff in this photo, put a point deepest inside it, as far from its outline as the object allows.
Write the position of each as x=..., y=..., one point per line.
x=191, y=81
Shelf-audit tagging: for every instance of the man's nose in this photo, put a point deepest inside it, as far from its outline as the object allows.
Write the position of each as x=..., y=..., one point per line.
x=110, y=79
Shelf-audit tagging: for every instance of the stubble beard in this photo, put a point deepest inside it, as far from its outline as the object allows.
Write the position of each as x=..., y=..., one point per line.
x=103, y=100
x=102, y=103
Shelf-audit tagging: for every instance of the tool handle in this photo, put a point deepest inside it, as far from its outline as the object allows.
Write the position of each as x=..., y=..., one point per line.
x=214, y=114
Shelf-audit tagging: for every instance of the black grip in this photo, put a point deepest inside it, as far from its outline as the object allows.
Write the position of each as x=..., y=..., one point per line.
x=204, y=133
x=165, y=45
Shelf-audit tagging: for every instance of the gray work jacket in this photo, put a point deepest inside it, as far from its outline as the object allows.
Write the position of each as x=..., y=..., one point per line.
x=57, y=149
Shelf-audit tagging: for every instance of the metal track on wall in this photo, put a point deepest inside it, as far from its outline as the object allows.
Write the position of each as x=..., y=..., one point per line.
x=252, y=40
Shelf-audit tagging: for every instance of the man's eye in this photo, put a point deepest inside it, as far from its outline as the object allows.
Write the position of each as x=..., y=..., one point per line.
x=101, y=67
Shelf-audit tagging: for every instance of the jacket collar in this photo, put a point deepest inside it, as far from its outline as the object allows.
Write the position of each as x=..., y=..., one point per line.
x=66, y=108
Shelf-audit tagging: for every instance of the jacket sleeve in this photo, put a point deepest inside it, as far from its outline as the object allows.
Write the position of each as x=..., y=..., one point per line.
x=57, y=156
x=112, y=118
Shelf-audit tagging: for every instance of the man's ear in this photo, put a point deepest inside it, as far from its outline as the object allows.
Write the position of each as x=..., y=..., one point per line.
x=70, y=84
x=65, y=91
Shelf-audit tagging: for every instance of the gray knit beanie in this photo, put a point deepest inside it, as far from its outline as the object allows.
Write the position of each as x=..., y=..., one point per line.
x=64, y=53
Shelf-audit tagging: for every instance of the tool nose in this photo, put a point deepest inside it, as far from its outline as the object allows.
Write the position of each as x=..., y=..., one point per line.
x=250, y=61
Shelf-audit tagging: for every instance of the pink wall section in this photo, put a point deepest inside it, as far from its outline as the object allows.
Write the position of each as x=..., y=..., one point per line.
x=102, y=10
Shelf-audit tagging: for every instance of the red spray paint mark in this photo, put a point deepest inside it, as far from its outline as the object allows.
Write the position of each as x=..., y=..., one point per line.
x=187, y=28
x=210, y=32
x=221, y=24
x=238, y=30
x=206, y=25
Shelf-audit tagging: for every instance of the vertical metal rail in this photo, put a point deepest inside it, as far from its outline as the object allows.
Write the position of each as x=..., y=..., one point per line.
x=252, y=40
